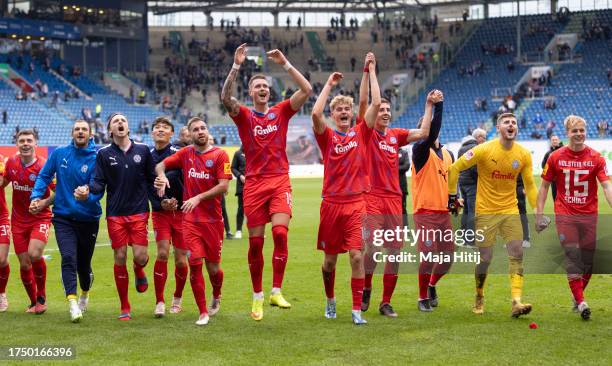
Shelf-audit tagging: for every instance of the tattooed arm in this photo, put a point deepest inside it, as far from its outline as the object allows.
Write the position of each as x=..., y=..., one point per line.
x=231, y=104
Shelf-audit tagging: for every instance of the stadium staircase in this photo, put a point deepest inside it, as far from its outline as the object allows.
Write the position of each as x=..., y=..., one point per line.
x=317, y=47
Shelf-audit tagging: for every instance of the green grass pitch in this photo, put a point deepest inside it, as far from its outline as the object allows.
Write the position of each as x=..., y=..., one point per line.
x=301, y=335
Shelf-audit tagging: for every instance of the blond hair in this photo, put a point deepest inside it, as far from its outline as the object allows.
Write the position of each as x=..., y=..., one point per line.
x=572, y=120
x=340, y=99
x=505, y=115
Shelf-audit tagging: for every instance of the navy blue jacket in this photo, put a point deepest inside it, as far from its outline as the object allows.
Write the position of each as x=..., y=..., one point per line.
x=73, y=167
x=174, y=176
x=420, y=149
x=127, y=176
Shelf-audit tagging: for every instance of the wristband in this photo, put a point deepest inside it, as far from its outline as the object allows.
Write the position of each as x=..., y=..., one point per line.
x=366, y=69
x=287, y=66
x=235, y=66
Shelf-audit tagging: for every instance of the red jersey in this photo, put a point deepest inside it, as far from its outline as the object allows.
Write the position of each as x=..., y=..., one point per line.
x=264, y=139
x=22, y=178
x=4, y=215
x=576, y=175
x=383, y=158
x=201, y=172
x=345, y=175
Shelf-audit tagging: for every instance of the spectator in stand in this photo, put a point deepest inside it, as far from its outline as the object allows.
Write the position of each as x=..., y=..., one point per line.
x=4, y=116
x=550, y=103
x=550, y=126
x=602, y=128
x=537, y=121
x=510, y=104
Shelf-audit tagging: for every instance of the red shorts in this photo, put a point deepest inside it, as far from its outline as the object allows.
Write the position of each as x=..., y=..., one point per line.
x=264, y=196
x=578, y=230
x=436, y=233
x=204, y=240
x=383, y=213
x=128, y=230
x=168, y=225
x=22, y=234
x=5, y=231
x=341, y=226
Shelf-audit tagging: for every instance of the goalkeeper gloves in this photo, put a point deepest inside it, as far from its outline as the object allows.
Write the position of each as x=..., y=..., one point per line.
x=453, y=204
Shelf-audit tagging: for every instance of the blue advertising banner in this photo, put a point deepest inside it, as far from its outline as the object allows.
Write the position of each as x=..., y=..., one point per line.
x=38, y=28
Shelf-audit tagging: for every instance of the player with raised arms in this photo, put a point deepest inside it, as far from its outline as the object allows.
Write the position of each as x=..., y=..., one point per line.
x=168, y=222
x=267, y=189
x=384, y=201
x=30, y=229
x=125, y=169
x=206, y=175
x=345, y=182
x=575, y=169
x=499, y=162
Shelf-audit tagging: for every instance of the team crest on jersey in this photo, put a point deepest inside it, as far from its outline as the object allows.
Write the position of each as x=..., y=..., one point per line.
x=351, y=134
x=393, y=140
x=271, y=115
x=84, y=168
x=468, y=155
x=209, y=163
x=515, y=164
x=32, y=177
x=137, y=158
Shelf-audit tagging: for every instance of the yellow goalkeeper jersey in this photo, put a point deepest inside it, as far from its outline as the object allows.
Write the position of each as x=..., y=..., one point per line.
x=498, y=169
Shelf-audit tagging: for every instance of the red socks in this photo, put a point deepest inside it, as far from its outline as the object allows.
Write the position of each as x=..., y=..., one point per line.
x=424, y=279
x=357, y=290
x=389, y=282
x=139, y=269
x=585, y=280
x=279, y=255
x=197, y=285
x=256, y=261
x=216, y=281
x=4, y=276
x=160, y=274
x=369, y=266
x=329, y=279
x=180, y=276
x=435, y=277
x=577, y=287
x=39, y=268
x=27, y=278
x=122, y=280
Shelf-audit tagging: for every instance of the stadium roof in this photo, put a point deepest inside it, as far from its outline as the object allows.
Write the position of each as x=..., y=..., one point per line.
x=174, y=6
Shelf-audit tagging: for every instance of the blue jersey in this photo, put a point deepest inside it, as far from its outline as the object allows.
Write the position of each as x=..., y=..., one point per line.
x=127, y=176
x=72, y=167
x=174, y=176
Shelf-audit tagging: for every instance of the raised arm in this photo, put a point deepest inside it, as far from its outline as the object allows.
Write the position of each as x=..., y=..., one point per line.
x=372, y=111
x=364, y=86
x=305, y=89
x=231, y=104
x=434, y=97
x=318, y=119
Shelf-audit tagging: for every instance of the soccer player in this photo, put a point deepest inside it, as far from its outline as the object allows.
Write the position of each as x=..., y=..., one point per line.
x=76, y=223
x=30, y=230
x=168, y=222
x=267, y=189
x=384, y=201
x=125, y=169
x=5, y=242
x=345, y=181
x=575, y=169
x=499, y=162
x=206, y=175
x=430, y=163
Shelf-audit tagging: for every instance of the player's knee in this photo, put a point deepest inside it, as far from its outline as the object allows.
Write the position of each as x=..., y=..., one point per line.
x=356, y=258
x=3, y=261
x=162, y=255
x=120, y=256
x=329, y=265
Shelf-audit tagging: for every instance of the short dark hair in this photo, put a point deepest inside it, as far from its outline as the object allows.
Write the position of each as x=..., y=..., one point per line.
x=26, y=131
x=385, y=100
x=81, y=121
x=162, y=121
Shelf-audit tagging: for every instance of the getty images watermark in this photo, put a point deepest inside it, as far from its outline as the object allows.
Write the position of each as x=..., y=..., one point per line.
x=437, y=245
